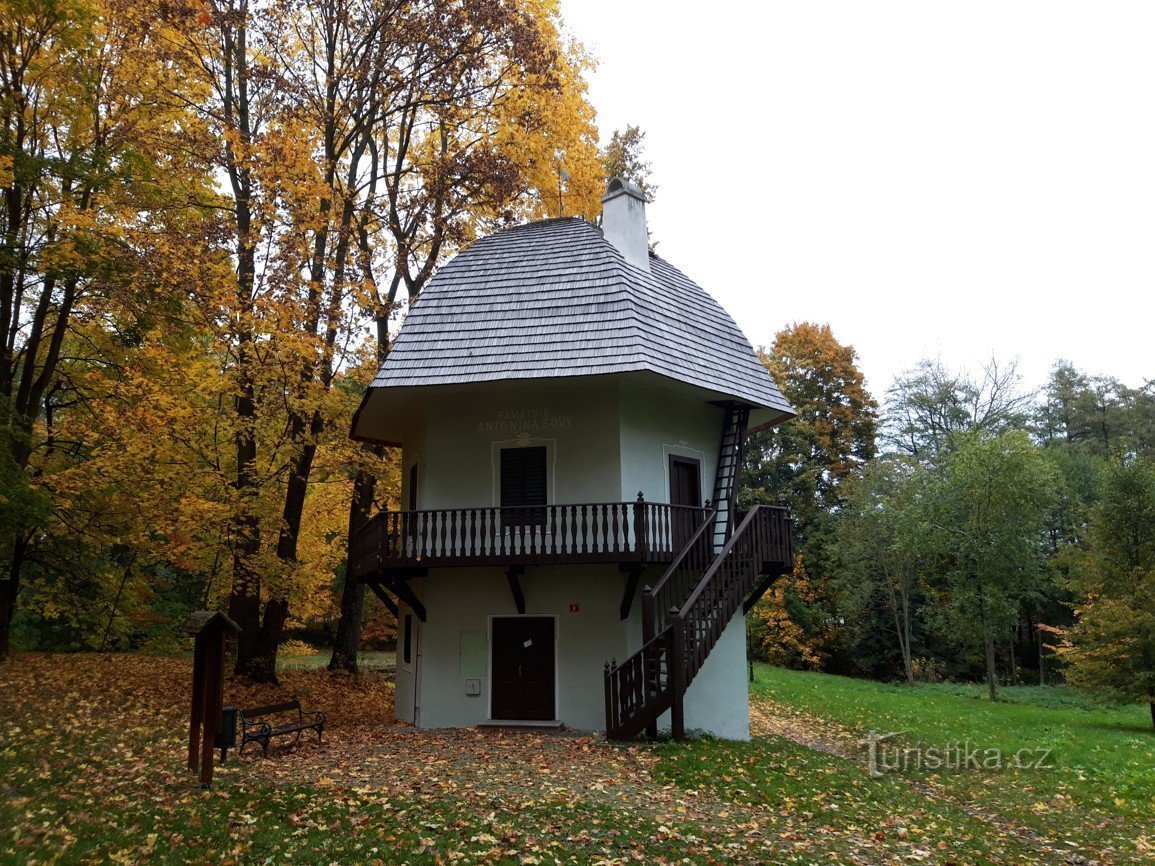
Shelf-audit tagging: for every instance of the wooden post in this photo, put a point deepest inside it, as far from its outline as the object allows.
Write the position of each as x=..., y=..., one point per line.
x=677, y=676
x=640, y=540
x=214, y=695
x=609, y=699
x=210, y=630
x=196, y=716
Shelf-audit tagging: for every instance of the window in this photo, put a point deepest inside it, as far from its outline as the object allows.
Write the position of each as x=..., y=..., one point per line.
x=523, y=485
x=407, y=640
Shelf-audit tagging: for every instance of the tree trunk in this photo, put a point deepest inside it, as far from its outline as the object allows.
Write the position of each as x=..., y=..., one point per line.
x=348, y=634
x=1014, y=667
x=902, y=631
x=263, y=667
x=1042, y=667
x=9, y=588
x=116, y=602
x=907, y=658
x=245, y=597
x=991, y=676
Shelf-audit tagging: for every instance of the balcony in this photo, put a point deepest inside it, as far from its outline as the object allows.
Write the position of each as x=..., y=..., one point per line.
x=409, y=542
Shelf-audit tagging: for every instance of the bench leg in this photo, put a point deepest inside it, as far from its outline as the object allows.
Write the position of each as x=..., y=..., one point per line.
x=265, y=747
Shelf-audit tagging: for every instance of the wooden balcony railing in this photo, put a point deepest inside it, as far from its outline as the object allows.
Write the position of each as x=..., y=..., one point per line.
x=538, y=535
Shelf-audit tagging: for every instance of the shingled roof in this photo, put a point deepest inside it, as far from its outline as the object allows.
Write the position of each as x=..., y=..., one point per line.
x=554, y=298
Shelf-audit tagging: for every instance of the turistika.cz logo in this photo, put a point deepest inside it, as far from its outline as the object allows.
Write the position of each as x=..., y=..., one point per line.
x=886, y=757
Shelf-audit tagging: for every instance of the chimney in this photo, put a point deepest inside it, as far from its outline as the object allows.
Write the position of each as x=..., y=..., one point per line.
x=624, y=221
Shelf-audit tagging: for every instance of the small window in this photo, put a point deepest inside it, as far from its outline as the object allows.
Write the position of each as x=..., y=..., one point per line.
x=523, y=486
x=407, y=640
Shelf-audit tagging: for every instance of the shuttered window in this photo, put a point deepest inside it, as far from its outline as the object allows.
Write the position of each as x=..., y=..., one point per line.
x=523, y=484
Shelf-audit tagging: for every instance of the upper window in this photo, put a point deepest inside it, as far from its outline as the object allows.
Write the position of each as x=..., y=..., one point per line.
x=523, y=485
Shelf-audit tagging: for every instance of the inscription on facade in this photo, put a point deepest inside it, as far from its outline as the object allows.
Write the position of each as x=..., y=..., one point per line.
x=525, y=421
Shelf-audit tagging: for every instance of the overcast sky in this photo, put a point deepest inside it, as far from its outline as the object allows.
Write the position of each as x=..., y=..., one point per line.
x=933, y=179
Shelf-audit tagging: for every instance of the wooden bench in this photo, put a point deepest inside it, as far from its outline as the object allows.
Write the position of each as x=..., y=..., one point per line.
x=253, y=731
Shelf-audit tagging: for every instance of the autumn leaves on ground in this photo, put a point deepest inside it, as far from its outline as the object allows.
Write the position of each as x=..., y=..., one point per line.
x=92, y=770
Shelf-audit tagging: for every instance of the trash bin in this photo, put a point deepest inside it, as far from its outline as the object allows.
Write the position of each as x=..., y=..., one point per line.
x=227, y=732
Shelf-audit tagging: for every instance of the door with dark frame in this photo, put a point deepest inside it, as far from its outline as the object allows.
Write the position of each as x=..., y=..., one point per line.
x=523, y=686
x=685, y=489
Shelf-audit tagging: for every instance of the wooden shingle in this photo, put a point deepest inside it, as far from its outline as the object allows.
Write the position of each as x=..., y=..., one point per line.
x=554, y=298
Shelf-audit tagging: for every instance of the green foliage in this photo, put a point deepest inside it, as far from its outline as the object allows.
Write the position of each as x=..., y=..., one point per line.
x=982, y=534
x=1097, y=413
x=876, y=560
x=22, y=504
x=805, y=462
x=1111, y=649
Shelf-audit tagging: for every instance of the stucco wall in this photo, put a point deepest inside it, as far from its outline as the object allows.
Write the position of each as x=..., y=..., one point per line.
x=607, y=438
x=458, y=446
x=718, y=700
x=464, y=600
x=660, y=418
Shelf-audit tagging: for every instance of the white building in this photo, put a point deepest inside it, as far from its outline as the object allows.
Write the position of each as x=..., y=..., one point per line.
x=566, y=402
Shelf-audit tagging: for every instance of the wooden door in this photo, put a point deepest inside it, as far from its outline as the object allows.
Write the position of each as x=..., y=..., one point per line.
x=685, y=489
x=522, y=673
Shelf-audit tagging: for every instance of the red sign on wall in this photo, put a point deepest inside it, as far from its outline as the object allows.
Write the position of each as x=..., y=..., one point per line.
x=575, y=608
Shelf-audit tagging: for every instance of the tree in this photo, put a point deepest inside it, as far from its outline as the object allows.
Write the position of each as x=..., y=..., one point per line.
x=806, y=461
x=875, y=556
x=624, y=157
x=985, y=519
x=788, y=626
x=1111, y=648
x=90, y=195
x=928, y=407
x=1098, y=414
x=458, y=153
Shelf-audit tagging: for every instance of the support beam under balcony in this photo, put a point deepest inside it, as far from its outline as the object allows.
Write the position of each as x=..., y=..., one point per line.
x=405, y=592
x=384, y=596
x=761, y=589
x=512, y=574
x=634, y=573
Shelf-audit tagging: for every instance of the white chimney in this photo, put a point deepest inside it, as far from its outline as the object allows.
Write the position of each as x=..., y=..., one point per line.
x=624, y=221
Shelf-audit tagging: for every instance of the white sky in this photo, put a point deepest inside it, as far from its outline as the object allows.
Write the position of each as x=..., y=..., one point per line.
x=933, y=179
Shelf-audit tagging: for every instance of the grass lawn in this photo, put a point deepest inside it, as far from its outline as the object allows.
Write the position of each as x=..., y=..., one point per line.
x=92, y=771
x=1096, y=789
x=368, y=661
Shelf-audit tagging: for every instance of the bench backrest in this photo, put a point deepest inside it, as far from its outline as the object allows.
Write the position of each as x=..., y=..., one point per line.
x=289, y=706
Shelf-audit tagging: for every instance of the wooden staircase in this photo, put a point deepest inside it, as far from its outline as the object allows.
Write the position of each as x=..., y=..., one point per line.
x=683, y=618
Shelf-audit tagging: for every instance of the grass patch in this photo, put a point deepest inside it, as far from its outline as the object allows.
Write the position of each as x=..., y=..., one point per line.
x=1097, y=790
x=310, y=661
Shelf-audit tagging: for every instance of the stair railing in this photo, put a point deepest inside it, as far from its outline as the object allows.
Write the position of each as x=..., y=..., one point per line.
x=729, y=579
x=656, y=678
x=679, y=579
